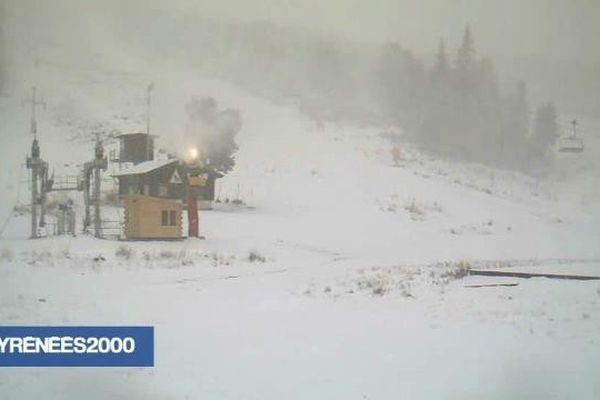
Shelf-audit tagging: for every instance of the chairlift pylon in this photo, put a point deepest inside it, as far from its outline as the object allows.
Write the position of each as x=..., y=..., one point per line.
x=572, y=143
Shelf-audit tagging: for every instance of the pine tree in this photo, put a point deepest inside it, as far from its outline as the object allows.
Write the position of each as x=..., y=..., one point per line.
x=487, y=83
x=441, y=68
x=489, y=109
x=390, y=82
x=516, y=127
x=3, y=59
x=214, y=133
x=522, y=105
x=545, y=131
x=520, y=110
x=434, y=130
x=403, y=80
x=223, y=147
x=469, y=121
x=466, y=53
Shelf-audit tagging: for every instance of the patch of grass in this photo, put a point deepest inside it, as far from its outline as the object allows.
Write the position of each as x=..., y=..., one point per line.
x=255, y=256
x=166, y=254
x=6, y=255
x=22, y=209
x=416, y=211
x=125, y=252
x=436, y=207
x=404, y=290
x=39, y=257
x=64, y=253
x=184, y=259
x=444, y=273
x=219, y=259
x=378, y=284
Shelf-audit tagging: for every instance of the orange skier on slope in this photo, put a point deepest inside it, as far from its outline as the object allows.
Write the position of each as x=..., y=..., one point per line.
x=396, y=155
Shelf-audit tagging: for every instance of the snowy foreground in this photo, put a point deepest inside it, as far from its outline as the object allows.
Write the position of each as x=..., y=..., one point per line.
x=306, y=324
x=343, y=279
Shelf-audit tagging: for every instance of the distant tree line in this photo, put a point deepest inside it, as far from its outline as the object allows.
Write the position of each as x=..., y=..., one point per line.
x=456, y=109
x=452, y=106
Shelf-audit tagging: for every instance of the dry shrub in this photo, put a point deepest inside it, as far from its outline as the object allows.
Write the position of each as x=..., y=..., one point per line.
x=378, y=284
x=125, y=252
x=6, y=255
x=255, y=256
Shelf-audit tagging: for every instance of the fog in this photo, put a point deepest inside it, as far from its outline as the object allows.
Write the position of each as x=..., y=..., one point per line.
x=518, y=35
x=325, y=57
x=551, y=28
x=343, y=201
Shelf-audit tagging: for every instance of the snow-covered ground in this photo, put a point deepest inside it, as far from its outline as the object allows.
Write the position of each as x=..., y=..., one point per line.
x=343, y=278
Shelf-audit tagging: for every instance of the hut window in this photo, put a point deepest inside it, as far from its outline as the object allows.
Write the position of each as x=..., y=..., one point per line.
x=172, y=215
x=163, y=190
x=164, y=220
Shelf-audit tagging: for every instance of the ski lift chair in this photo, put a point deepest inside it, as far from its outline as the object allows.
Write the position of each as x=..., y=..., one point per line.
x=570, y=144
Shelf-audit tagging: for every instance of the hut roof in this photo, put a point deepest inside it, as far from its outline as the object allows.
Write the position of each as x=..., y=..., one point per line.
x=135, y=134
x=145, y=167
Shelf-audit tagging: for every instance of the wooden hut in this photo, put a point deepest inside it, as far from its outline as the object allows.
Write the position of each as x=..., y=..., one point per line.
x=153, y=193
x=152, y=218
x=157, y=178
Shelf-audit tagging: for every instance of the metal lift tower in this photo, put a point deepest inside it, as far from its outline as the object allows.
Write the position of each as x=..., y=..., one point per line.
x=90, y=168
x=39, y=171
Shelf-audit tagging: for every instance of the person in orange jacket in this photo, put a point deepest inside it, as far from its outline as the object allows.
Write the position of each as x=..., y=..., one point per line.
x=396, y=155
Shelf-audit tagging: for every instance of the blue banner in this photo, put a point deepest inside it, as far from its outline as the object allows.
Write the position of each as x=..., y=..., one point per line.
x=76, y=346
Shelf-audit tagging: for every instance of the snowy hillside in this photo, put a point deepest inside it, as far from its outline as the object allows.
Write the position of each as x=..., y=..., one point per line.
x=341, y=276
x=330, y=186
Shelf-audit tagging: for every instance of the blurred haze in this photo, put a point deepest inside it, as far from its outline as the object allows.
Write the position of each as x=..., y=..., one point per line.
x=549, y=44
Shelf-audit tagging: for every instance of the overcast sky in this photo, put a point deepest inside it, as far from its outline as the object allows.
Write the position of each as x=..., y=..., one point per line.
x=556, y=28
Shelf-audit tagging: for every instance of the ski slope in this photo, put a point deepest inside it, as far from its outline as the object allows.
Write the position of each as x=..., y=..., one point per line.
x=356, y=286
